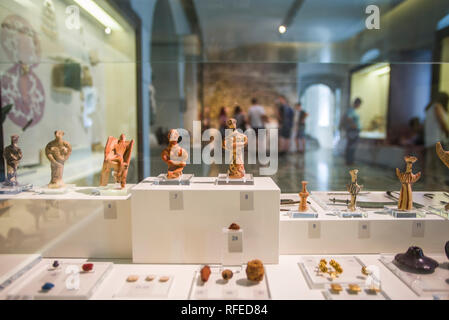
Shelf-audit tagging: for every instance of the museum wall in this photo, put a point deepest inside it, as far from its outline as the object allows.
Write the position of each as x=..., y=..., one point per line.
x=111, y=91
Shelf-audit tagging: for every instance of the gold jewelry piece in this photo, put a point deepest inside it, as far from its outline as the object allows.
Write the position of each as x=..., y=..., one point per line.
x=164, y=279
x=354, y=288
x=365, y=271
x=335, y=287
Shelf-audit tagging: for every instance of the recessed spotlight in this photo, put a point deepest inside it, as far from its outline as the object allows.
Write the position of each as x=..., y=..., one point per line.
x=107, y=30
x=282, y=29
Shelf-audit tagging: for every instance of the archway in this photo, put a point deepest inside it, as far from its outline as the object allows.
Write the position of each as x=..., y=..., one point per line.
x=318, y=101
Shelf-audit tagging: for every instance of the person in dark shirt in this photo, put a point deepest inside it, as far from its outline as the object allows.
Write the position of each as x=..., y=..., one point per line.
x=285, y=118
x=300, y=125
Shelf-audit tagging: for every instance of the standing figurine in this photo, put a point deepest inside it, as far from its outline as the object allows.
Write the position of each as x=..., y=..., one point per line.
x=235, y=142
x=303, y=195
x=117, y=156
x=407, y=178
x=12, y=155
x=444, y=157
x=174, y=156
x=353, y=189
x=57, y=151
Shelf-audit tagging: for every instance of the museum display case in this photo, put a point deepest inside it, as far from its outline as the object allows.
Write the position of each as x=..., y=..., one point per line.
x=126, y=175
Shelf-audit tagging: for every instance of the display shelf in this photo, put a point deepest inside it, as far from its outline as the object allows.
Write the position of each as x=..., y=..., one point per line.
x=435, y=283
x=238, y=287
x=142, y=288
x=13, y=266
x=59, y=277
x=184, y=224
x=351, y=271
x=378, y=232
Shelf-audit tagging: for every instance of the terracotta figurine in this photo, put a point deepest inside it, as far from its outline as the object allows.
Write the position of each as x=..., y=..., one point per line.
x=444, y=157
x=117, y=156
x=303, y=195
x=12, y=155
x=235, y=142
x=353, y=189
x=174, y=156
x=407, y=178
x=57, y=151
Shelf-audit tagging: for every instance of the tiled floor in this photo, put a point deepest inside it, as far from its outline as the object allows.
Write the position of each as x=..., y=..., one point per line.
x=323, y=169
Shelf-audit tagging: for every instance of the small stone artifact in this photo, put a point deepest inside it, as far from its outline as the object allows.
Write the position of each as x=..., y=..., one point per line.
x=117, y=157
x=354, y=288
x=132, y=278
x=446, y=249
x=150, y=277
x=303, y=196
x=336, y=288
x=205, y=273
x=234, y=226
x=174, y=156
x=55, y=264
x=47, y=286
x=57, y=151
x=407, y=178
x=415, y=259
x=353, y=189
x=255, y=270
x=235, y=143
x=87, y=267
x=164, y=279
x=12, y=155
x=227, y=274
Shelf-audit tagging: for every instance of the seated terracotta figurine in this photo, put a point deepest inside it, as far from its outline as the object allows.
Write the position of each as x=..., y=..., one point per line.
x=174, y=156
x=117, y=156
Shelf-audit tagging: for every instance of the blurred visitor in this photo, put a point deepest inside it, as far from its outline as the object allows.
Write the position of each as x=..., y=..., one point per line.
x=285, y=118
x=240, y=117
x=415, y=134
x=436, y=129
x=205, y=119
x=351, y=125
x=300, y=127
x=222, y=119
x=256, y=116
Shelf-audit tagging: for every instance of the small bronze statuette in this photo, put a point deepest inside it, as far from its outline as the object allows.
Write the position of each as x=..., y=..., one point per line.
x=235, y=142
x=58, y=152
x=353, y=189
x=174, y=156
x=407, y=178
x=12, y=155
x=303, y=196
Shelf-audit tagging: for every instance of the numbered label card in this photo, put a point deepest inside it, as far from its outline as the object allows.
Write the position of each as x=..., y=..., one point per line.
x=235, y=241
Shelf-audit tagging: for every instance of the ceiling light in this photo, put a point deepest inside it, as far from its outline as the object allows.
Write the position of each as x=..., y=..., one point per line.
x=98, y=13
x=282, y=29
x=107, y=30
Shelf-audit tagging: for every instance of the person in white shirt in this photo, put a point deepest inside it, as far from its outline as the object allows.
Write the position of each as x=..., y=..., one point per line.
x=256, y=116
x=436, y=129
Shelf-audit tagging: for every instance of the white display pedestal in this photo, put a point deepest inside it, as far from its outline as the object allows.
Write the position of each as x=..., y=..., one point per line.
x=76, y=224
x=378, y=232
x=183, y=224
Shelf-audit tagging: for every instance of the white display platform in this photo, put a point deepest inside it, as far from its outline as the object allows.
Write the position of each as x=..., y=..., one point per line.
x=183, y=224
x=238, y=287
x=436, y=283
x=13, y=266
x=74, y=224
x=379, y=232
x=29, y=285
